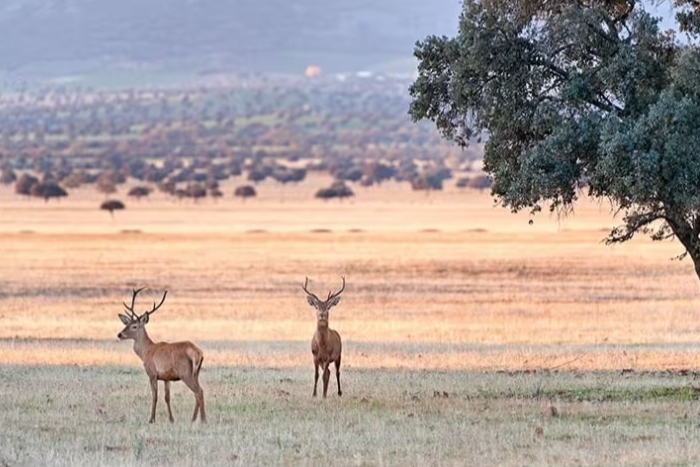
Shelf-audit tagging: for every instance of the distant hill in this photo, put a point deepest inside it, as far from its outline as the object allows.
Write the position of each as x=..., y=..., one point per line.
x=59, y=37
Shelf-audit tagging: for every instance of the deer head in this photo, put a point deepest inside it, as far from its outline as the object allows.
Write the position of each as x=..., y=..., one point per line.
x=323, y=306
x=135, y=323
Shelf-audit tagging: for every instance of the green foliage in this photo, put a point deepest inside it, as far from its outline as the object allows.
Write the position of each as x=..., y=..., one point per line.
x=688, y=15
x=573, y=95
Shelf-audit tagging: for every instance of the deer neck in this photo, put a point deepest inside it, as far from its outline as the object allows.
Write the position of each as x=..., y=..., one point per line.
x=142, y=343
x=322, y=330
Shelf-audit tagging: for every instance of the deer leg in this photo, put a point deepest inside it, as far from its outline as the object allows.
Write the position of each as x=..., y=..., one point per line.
x=200, y=395
x=337, y=375
x=202, y=414
x=166, y=385
x=315, y=378
x=154, y=392
x=194, y=386
x=326, y=377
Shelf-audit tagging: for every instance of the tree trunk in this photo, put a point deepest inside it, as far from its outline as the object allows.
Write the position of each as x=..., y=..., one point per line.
x=687, y=234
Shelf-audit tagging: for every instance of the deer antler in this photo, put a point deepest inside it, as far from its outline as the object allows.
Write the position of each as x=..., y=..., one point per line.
x=307, y=292
x=155, y=307
x=333, y=295
x=130, y=309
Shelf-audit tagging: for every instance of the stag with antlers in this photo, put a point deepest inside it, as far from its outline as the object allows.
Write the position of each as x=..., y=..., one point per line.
x=326, y=346
x=178, y=361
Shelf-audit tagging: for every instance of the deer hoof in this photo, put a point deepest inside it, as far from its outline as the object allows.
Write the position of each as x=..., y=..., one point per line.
x=153, y=420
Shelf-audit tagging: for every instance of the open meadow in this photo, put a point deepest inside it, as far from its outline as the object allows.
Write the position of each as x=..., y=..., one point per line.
x=470, y=336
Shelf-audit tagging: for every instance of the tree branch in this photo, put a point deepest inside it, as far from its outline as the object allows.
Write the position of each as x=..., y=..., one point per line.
x=633, y=223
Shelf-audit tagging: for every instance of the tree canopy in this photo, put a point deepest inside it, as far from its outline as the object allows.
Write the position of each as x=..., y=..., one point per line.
x=585, y=97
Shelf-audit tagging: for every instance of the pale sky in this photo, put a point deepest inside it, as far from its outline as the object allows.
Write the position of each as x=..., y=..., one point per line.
x=665, y=11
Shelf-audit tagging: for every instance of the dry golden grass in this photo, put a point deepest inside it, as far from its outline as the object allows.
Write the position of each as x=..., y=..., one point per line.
x=423, y=272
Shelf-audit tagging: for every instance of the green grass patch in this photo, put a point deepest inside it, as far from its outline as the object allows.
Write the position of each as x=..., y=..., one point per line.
x=258, y=416
x=668, y=393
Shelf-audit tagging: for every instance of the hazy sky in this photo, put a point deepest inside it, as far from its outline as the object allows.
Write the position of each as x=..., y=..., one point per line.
x=666, y=12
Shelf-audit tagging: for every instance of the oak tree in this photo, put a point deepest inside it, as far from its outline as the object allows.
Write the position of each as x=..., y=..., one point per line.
x=575, y=98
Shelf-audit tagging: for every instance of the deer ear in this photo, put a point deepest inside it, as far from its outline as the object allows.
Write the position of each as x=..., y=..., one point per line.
x=144, y=318
x=125, y=319
x=312, y=302
x=334, y=301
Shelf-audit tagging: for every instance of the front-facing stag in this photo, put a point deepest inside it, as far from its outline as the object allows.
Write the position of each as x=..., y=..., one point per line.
x=179, y=361
x=326, y=346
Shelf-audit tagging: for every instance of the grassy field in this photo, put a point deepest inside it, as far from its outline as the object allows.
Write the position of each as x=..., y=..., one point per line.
x=470, y=336
x=97, y=415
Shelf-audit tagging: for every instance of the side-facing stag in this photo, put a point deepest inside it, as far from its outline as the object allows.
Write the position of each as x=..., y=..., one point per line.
x=326, y=346
x=178, y=361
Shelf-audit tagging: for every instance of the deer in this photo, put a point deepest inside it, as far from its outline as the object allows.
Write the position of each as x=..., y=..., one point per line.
x=326, y=345
x=178, y=361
